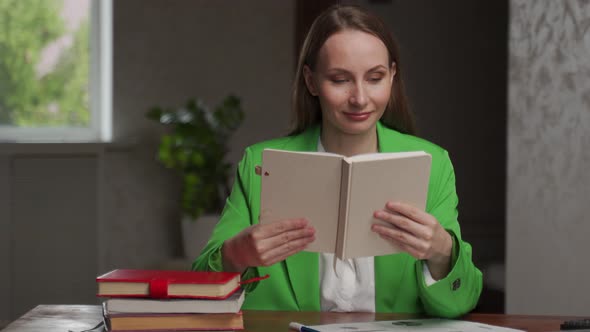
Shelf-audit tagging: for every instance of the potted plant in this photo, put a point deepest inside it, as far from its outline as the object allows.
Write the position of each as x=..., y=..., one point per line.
x=195, y=146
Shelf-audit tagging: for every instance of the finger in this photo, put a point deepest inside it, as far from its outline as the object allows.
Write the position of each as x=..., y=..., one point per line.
x=282, y=257
x=281, y=226
x=402, y=222
x=410, y=212
x=285, y=237
x=285, y=250
x=401, y=237
x=420, y=255
x=406, y=248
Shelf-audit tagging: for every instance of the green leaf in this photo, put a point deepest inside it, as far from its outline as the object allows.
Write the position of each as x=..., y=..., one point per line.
x=197, y=159
x=229, y=115
x=191, y=180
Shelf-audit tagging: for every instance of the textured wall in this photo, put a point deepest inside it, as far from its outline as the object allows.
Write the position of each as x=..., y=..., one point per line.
x=548, y=224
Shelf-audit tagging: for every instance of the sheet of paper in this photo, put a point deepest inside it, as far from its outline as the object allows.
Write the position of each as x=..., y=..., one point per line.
x=412, y=325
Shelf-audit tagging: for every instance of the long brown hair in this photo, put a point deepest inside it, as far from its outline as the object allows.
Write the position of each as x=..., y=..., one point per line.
x=306, y=109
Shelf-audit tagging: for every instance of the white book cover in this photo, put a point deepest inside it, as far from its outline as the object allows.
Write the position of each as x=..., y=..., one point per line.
x=339, y=194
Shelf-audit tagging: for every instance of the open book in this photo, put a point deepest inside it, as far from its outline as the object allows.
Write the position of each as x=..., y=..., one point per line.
x=339, y=194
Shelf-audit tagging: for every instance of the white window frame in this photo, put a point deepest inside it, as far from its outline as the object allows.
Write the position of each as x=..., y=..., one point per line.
x=100, y=85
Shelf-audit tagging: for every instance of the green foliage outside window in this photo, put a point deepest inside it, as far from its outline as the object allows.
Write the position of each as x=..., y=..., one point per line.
x=57, y=98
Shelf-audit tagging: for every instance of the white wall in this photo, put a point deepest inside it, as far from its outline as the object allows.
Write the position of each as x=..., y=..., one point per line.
x=548, y=224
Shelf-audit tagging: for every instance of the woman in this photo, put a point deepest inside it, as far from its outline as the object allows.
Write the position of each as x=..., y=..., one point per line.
x=349, y=99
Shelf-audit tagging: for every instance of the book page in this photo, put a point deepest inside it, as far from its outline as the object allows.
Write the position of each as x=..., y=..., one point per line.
x=385, y=155
x=374, y=183
x=303, y=185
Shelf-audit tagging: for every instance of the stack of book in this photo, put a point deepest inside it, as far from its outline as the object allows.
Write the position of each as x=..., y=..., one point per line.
x=153, y=300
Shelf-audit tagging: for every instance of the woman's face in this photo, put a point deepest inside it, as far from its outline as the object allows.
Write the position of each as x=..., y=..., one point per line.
x=352, y=80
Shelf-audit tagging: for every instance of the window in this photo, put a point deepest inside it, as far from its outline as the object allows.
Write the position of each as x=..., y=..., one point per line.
x=55, y=70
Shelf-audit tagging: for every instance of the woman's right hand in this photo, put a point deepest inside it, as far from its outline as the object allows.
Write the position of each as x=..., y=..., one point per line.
x=266, y=244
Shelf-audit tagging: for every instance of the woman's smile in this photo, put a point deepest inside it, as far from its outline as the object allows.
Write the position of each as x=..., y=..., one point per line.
x=357, y=116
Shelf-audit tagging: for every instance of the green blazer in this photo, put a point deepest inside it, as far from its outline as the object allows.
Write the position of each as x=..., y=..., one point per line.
x=399, y=282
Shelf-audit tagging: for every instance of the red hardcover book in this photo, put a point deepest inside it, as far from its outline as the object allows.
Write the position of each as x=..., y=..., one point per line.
x=167, y=284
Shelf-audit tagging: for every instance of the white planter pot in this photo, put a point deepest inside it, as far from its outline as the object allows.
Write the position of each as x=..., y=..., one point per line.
x=196, y=233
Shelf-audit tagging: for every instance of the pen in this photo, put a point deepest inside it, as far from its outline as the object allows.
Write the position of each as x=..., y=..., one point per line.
x=301, y=328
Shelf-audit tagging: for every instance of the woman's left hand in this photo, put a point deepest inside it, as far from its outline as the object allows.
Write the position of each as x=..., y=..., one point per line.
x=418, y=233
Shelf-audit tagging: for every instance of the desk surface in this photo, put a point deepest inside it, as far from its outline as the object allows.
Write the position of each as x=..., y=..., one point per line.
x=61, y=318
